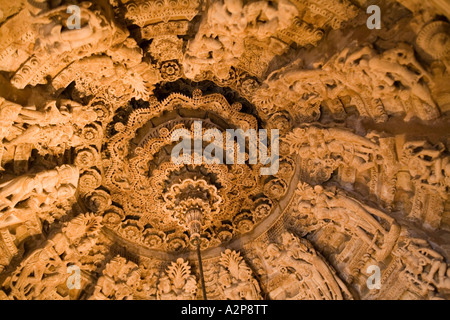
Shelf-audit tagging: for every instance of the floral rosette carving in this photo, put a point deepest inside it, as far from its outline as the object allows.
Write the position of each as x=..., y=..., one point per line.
x=149, y=186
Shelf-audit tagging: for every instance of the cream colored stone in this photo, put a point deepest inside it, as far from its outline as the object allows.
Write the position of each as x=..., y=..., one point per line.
x=87, y=181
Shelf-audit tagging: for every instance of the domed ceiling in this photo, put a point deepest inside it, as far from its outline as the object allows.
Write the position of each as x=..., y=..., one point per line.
x=338, y=189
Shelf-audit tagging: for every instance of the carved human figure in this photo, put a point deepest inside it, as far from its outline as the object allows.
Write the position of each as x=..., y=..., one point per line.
x=165, y=291
x=104, y=289
x=333, y=147
x=439, y=275
x=220, y=40
x=53, y=126
x=128, y=53
x=39, y=275
x=278, y=18
x=423, y=268
x=394, y=74
x=54, y=38
x=427, y=164
x=227, y=15
x=364, y=222
x=297, y=256
x=235, y=278
x=34, y=204
x=386, y=64
x=118, y=282
x=45, y=182
x=8, y=114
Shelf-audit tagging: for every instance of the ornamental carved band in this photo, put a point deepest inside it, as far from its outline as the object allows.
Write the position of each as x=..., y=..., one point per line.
x=224, y=149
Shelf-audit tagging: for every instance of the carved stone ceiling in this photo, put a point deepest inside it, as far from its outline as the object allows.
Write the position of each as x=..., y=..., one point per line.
x=91, y=95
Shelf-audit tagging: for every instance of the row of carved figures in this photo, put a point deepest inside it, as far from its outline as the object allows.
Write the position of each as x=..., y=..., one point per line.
x=397, y=170
x=288, y=268
x=231, y=35
x=51, y=129
x=43, y=274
